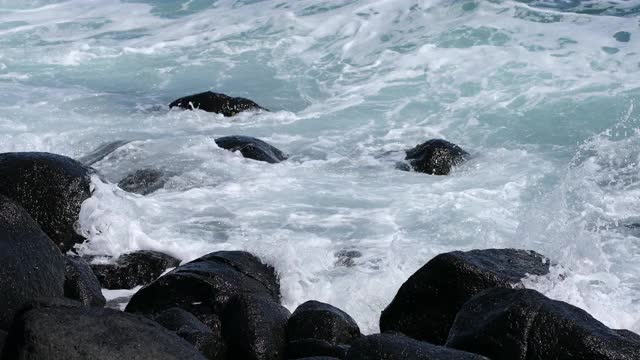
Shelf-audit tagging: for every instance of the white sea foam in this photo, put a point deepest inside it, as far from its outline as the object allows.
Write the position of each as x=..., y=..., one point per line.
x=544, y=97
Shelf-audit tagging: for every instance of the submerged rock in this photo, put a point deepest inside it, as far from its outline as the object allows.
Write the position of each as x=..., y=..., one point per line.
x=346, y=257
x=80, y=283
x=31, y=266
x=133, y=269
x=316, y=320
x=67, y=333
x=254, y=327
x=508, y=324
x=102, y=151
x=435, y=157
x=426, y=304
x=143, y=181
x=207, y=339
x=50, y=188
x=217, y=103
x=251, y=148
x=398, y=347
x=622, y=36
x=205, y=285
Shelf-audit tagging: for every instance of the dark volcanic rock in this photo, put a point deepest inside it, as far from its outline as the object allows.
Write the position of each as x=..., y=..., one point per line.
x=435, y=157
x=217, y=103
x=56, y=333
x=318, y=358
x=31, y=266
x=205, y=285
x=314, y=347
x=143, y=181
x=207, y=339
x=51, y=188
x=254, y=327
x=133, y=269
x=316, y=320
x=3, y=336
x=398, y=347
x=426, y=304
x=514, y=324
x=80, y=283
x=101, y=152
x=252, y=148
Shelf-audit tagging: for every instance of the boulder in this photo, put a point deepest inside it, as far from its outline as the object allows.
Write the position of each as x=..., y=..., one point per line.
x=205, y=285
x=398, y=347
x=252, y=148
x=31, y=266
x=80, y=283
x=67, y=333
x=133, y=269
x=315, y=347
x=435, y=157
x=254, y=327
x=50, y=188
x=143, y=181
x=207, y=339
x=216, y=103
x=316, y=320
x=426, y=304
x=514, y=324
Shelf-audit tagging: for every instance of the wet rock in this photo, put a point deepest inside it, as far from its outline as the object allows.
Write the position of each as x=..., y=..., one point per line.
x=102, y=151
x=426, y=304
x=252, y=148
x=207, y=339
x=524, y=324
x=50, y=188
x=31, y=266
x=314, y=347
x=254, y=327
x=80, y=283
x=622, y=36
x=217, y=103
x=435, y=157
x=205, y=285
x=133, y=269
x=398, y=347
x=143, y=181
x=316, y=320
x=346, y=257
x=59, y=333
x=3, y=336
x=318, y=358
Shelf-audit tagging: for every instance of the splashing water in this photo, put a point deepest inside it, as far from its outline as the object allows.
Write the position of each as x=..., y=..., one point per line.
x=542, y=93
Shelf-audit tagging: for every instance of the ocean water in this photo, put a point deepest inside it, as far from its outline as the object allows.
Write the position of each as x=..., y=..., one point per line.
x=544, y=94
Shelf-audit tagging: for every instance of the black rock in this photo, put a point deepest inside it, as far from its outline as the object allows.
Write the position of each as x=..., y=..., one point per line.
x=524, y=324
x=318, y=358
x=316, y=320
x=207, y=339
x=254, y=327
x=80, y=283
x=217, y=103
x=31, y=266
x=143, y=181
x=398, y=347
x=205, y=285
x=133, y=269
x=101, y=152
x=51, y=188
x=314, y=347
x=622, y=36
x=3, y=336
x=252, y=148
x=60, y=333
x=435, y=157
x=426, y=304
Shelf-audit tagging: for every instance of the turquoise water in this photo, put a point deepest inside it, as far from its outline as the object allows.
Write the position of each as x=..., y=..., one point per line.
x=544, y=94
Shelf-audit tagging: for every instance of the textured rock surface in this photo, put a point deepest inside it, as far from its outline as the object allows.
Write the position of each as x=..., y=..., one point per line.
x=252, y=148
x=80, y=283
x=217, y=103
x=133, y=269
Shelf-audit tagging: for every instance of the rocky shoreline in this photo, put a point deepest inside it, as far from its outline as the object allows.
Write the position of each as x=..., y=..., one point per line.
x=227, y=304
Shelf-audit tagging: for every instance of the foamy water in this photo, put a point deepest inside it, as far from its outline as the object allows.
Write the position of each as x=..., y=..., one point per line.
x=541, y=93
